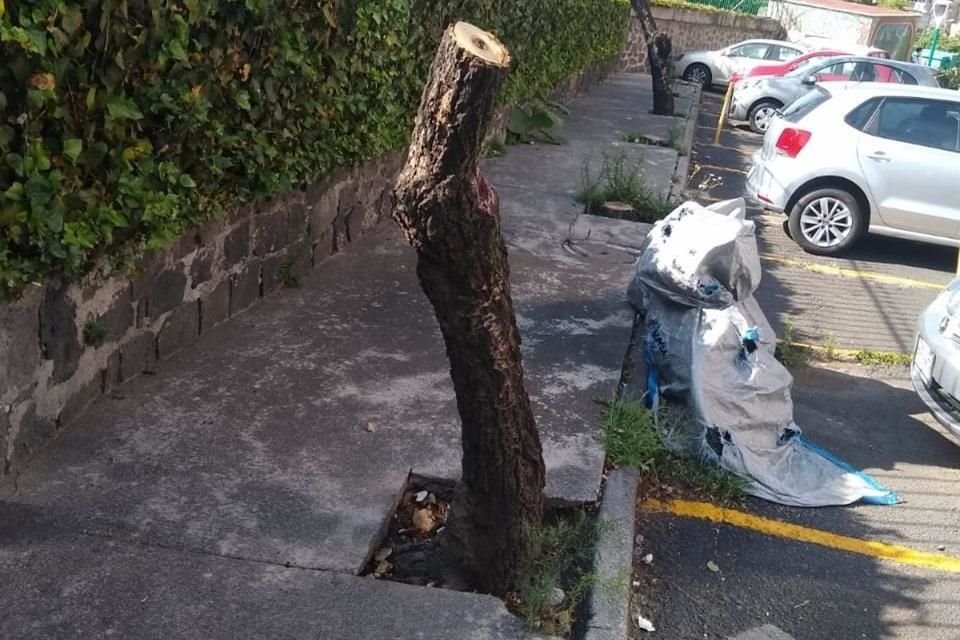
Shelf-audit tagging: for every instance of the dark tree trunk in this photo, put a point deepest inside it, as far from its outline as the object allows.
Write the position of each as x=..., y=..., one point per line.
x=450, y=214
x=659, y=48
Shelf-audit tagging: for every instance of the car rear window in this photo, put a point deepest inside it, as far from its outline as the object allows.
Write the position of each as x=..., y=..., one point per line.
x=860, y=116
x=805, y=104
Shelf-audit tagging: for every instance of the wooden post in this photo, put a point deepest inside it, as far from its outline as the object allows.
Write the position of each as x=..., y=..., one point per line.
x=450, y=214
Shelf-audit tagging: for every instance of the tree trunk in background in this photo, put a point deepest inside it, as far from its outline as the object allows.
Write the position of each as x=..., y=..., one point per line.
x=659, y=49
x=450, y=214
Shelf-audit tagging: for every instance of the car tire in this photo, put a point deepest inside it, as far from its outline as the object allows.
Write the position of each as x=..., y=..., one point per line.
x=700, y=74
x=827, y=221
x=760, y=115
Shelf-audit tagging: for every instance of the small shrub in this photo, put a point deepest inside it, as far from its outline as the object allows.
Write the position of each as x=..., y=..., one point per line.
x=620, y=181
x=789, y=352
x=536, y=122
x=94, y=332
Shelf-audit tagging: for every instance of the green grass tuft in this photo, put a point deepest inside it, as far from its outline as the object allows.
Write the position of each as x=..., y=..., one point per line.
x=877, y=358
x=557, y=554
x=632, y=438
x=789, y=352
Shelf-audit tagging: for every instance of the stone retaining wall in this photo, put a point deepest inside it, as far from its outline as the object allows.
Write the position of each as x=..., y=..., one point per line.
x=62, y=345
x=692, y=30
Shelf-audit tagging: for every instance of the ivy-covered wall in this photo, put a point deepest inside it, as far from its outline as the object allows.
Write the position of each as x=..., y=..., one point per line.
x=125, y=122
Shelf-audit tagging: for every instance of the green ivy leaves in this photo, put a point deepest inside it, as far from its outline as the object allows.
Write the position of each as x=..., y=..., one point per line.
x=123, y=122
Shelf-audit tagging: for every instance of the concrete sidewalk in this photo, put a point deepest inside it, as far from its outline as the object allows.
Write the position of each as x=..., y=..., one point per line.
x=237, y=492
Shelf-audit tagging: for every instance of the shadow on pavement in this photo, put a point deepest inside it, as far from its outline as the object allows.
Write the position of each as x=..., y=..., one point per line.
x=871, y=418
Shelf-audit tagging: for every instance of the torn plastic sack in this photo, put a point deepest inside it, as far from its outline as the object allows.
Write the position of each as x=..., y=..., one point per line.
x=708, y=345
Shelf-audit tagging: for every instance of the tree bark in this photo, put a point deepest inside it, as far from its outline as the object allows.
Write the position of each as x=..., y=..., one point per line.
x=450, y=215
x=659, y=49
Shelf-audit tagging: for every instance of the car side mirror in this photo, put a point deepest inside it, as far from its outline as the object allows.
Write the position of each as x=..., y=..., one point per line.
x=811, y=79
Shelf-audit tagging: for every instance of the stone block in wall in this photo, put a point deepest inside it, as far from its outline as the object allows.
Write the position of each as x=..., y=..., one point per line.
x=167, y=291
x=19, y=343
x=31, y=431
x=245, y=287
x=201, y=268
x=215, y=306
x=323, y=247
x=146, y=269
x=110, y=374
x=274, y=272
x=137, y=355
x=236, y=245
x=180, y=329
x=59, y=332
x=270, y=232
x=80, y=399
x=323, y=212
x=119, y=317
x=187, y=244
x=4, y=439
x=297, y=222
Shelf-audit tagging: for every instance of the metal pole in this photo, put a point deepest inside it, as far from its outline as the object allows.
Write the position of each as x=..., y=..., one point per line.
x=933, y=46
x=723, y=113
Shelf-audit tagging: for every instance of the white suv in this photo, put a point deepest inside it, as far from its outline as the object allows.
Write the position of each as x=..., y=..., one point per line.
x=849, y=158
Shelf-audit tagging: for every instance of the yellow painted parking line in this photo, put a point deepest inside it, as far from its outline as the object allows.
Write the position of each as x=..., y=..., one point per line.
x=846, y=272
x=788, y=531
x=714, y=167
x=845, y=353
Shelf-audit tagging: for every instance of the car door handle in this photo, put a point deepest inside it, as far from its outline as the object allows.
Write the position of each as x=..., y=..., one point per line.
x=879, y=156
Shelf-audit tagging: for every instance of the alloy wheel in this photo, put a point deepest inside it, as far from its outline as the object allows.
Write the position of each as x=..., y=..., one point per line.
x=826, y=222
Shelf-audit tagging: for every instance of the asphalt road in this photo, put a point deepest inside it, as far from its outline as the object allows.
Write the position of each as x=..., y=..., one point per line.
x=776, y=588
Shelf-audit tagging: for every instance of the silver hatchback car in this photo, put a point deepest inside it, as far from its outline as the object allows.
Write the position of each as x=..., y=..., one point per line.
x=850, y=158
x=756, y=100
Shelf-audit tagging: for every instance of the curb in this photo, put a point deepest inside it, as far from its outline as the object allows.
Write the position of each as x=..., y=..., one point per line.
x=679, y=180
x=609, y=608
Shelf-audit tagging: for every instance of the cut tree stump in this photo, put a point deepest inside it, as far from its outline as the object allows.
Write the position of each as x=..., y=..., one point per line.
x=450, y=215
x=613, y=209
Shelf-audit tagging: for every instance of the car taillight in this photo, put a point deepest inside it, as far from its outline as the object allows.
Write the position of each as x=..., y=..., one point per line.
x=792, y=141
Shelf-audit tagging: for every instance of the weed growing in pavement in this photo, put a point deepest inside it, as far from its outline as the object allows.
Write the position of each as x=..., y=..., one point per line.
x=557, y=555
x=865, y=356
x=632, y=438
x=789, y=352
x=620, y=181
x=830, y=348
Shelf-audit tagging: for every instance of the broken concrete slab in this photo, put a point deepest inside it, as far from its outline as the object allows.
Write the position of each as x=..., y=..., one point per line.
x=253, y=443
x=87, y=587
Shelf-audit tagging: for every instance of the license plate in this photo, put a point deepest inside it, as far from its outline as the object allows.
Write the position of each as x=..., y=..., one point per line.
x=923, y=360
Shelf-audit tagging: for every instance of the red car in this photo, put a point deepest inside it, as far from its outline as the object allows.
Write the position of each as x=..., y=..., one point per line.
x=784, y=68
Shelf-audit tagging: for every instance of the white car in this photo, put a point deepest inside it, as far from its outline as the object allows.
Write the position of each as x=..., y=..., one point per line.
x=708, y=68
x=848, y=158
x=935, y=369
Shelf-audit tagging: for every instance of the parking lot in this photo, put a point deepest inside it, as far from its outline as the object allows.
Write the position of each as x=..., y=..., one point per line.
x=869, y=300
x=842, y=572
